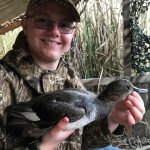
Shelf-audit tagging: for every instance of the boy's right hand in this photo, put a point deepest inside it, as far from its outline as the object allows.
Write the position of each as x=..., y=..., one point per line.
x=55, y=135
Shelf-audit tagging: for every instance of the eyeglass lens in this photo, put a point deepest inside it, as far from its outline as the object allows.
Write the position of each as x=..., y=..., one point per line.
x=65, y=27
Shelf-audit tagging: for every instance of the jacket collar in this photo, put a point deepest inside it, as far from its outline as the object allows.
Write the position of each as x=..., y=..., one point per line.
x=20, y=60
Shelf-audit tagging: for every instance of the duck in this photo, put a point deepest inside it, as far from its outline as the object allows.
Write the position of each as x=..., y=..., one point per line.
x=82, y=107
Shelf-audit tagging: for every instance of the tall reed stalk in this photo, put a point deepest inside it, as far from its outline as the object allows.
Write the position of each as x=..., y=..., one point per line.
x=99, y=38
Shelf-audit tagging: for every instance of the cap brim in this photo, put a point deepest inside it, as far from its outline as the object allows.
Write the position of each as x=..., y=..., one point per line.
x=67, y=3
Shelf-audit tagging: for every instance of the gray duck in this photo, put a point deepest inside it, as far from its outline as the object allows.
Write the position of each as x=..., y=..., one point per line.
x=82, y=107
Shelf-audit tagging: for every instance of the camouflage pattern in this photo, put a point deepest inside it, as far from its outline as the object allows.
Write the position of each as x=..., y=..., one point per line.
x=21, y=80
x=69, y=4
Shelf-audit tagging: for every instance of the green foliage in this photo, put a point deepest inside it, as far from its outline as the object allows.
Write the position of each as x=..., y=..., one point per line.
x=140, y=39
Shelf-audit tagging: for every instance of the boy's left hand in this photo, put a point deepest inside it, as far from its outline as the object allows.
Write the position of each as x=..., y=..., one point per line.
x=126, y=112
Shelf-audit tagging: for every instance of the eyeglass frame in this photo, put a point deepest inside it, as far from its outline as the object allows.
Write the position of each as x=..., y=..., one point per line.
x=50, y=22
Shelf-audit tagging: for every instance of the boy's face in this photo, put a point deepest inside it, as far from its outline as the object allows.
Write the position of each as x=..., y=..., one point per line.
x=45, y=27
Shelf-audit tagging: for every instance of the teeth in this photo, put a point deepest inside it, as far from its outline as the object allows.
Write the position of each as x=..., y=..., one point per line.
x=51, y=42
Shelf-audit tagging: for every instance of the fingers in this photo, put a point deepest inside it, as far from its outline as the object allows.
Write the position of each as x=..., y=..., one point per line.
x=137, y=96
x=130, y=120
x=133, y=115
x=59, y=127
x=56, y=134
x=128, y=111
x=136, y=102
x=136, y=107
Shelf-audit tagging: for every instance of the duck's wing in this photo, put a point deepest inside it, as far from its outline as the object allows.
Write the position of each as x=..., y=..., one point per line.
x=54, y=106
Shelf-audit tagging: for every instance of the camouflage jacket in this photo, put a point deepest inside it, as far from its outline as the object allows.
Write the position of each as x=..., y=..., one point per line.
x=21, y=80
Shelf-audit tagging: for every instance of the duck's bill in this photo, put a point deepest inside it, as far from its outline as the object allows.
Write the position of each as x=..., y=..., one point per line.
x=140, y=90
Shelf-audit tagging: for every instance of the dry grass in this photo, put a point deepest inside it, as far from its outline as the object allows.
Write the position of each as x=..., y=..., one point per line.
x=100, y=38
x=7, y=40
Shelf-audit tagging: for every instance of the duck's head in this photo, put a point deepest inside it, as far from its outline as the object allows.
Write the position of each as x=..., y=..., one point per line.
x=118, y=90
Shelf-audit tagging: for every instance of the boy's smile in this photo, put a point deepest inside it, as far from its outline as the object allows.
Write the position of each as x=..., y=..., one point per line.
x=49, y=33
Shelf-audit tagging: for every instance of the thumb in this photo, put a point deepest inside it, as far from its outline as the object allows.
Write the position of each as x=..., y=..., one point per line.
x=62, y=123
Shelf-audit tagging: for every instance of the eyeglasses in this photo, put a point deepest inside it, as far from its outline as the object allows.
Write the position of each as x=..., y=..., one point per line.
x=42, y=22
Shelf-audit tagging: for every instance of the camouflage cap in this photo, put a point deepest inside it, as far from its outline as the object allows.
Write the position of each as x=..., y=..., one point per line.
x=67, y=3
